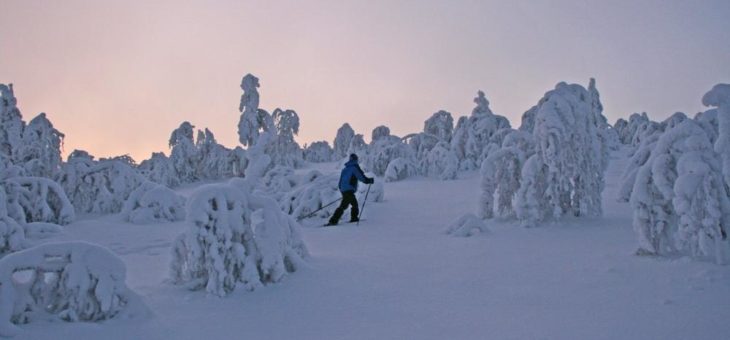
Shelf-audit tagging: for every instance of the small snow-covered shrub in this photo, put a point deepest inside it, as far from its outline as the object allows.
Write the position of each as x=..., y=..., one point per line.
x=440, y=162
x=39, y=199
x=399, y=169
x=234, y=238
x=74, y=281
x=312, y=194
x=152, y=202
x=467, y=225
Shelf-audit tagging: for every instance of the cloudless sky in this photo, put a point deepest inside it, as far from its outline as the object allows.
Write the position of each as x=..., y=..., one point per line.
x=118, y=76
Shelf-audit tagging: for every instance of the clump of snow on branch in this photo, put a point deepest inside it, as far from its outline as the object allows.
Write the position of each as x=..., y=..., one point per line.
x=467, y=225
x=151, y=203
x=235, y=238
x=74, y=281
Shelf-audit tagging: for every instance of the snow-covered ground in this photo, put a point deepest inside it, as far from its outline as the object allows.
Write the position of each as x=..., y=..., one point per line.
x=398, y=276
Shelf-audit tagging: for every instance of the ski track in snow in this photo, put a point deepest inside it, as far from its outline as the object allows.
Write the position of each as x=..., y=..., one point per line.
x=398, y=276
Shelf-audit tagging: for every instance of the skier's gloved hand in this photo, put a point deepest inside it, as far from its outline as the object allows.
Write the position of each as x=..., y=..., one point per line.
x=370, y=181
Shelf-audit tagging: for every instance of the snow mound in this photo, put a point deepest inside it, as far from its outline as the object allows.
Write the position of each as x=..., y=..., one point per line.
x=467, y=225
x=74, y=281
x=235, y=238
x=152, y=202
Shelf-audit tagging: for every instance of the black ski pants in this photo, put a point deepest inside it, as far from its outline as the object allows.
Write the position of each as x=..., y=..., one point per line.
x=348, y=198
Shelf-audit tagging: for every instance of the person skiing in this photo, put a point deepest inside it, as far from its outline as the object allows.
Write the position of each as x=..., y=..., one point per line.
x=349, y=177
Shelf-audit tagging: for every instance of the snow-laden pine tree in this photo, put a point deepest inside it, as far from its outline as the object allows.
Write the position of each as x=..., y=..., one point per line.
x=473, y=134
x=319, y=152
x=719, y=97
x=284, y=150
x=184, y=154
x=213, y=159
x=159, y=169
x=235, y=238
x=249, y=125
x=98, y=187
x=70, y=281
x=501, y=173
x=342, y=141
x=565, y=175
x=11, y=121
x=679, y=202
x=40, y=151
x=441, y=125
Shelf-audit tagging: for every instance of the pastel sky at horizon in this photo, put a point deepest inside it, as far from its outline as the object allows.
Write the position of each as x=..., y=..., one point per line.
x=118, y=76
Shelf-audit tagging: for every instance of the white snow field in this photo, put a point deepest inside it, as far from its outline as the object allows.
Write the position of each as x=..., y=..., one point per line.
x=398, y=275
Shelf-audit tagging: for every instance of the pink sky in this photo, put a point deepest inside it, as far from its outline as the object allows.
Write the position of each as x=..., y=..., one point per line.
x=118, y=76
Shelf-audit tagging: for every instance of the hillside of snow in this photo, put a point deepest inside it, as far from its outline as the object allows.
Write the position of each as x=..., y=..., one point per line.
x=399, y=276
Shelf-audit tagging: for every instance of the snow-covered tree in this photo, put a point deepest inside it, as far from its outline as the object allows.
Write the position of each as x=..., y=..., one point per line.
x=284, y=150
x=565, y=175
x=38, y=199
x=358, y=146
x=440, y=162
x=151, y=203
x=12, y=235
x=719, y=97
x=311, y=194
x=72, y=281
x=342, y=141
x=235, y=238
x=98, y=187
x=40, y=151
x=441, y=125
x=319, y=152
x=679, y=202
x=184, y=154
x=213, y=159
x=399, y=169
x=382, y=150
x=159, y=169
x=379, y=132
x=11, y=121
x=501, y=173
x=249, y=125
x=473, y=134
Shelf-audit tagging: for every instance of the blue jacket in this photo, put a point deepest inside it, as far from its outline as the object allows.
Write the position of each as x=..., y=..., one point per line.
x=350, y=175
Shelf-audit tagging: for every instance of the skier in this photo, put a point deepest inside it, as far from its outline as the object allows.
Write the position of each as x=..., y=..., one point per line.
x=348, y=186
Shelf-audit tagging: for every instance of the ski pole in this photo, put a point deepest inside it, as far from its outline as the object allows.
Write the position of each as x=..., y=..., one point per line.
x=363, y=204
x=318, y=210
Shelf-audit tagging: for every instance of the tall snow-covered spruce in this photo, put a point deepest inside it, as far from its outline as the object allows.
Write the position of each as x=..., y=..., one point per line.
x=555, y=166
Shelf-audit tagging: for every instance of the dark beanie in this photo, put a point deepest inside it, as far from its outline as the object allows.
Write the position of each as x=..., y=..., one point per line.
x=353, y=157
